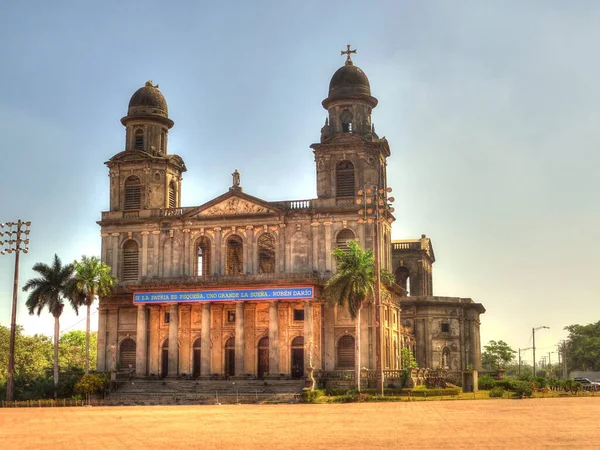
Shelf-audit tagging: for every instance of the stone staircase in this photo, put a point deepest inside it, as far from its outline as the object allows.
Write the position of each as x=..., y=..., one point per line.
x=207, y=392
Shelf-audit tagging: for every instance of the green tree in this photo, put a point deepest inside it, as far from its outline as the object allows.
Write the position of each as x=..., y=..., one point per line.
x=71, y=351
x=583, y=347
x=33, y=355
x=353, y=284
x=49, y=291
x=92, y=279
x=497, y=355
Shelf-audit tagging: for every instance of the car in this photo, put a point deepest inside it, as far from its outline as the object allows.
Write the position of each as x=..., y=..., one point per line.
x=587, y=384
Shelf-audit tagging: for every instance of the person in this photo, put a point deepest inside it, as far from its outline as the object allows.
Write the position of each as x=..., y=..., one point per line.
x=236, y=178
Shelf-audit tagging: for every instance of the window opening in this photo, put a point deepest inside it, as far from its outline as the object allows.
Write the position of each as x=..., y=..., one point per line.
x=344, y=179
x=172, y=195
x=130, y=261
x=203, y=257
x=133, y=193
x=266, y=253
x=235, y=255
x=231, y=316
x=139, y=139
x=167, y=317
x=346, y=352
x=343, y=237
x=298, y=315
x=445, y=327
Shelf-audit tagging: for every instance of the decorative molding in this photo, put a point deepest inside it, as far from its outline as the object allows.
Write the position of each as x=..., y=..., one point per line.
x=234, y=206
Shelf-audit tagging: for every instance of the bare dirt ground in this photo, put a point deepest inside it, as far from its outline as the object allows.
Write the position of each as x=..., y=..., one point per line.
x=572, y=423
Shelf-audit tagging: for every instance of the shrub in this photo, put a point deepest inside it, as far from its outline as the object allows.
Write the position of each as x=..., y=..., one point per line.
x=486, y=382
x=497, y=392
x=539, y=382
x=92, y=383
x=312, y=396
x=522, y=389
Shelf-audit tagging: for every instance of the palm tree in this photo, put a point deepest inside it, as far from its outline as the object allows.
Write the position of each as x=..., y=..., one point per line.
x=49, y=290
x=351, y=285
x=92, y=279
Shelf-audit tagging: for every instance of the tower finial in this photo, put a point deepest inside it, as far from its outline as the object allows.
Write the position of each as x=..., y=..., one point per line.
x=347, y=53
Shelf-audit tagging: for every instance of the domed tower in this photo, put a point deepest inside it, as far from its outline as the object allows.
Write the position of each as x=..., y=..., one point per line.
x=144, y=175
x=350, y=154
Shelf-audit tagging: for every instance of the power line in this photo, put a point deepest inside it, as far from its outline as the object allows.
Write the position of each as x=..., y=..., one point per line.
x=78, y=322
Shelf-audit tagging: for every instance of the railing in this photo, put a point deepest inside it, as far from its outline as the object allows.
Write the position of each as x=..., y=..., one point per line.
x=131, y=214
x=294, y=204
x=170, y=212
x=406, y=246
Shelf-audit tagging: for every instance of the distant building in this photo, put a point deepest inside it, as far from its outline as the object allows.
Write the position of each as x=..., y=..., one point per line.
x=235, y=286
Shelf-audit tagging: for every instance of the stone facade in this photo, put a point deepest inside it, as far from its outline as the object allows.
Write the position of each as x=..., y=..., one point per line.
x=237, y=242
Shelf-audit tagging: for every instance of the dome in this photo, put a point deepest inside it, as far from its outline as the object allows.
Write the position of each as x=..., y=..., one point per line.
x=148, y=101
x=349, y=80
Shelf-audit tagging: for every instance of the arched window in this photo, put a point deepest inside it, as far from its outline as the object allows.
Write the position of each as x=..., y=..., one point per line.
x=202, y=257
x=266, y=253
x=344, y=179
x=139, y=139
x=343, y=237
x=402, y=277
x=127, y=354
x=346, y=352
x=133, y=193
x=130, y=261
x=230, y=357
x=263, y=357
x=235, y=255
x=346, y=119
x=172, y=195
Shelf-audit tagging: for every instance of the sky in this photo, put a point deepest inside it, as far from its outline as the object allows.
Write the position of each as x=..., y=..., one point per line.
x=490, y=109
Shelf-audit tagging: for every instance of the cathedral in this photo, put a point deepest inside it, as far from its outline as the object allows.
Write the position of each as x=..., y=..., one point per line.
x=234, y=287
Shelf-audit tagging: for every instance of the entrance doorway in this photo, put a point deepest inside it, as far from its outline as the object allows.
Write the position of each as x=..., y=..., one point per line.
x=196, y=359
x=164, y=371
x=297, y=357
x=263, y=357
x=230, y=357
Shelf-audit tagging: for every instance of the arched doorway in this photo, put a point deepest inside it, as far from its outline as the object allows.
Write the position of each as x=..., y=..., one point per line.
x=263, y=357
x=230, y=357
x=297, y=357
x=346, y=352
x=164, y=371
x=127, y=354
x=196, y=364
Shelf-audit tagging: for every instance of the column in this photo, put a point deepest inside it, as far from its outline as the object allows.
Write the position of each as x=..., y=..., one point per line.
x=240, y=344
x=145, y=253
x=217, y=263
x=185, y=347
x=154, y=343
x=274, y=338
x=111, y=344
x=205, y=342
x=309, y=341
x=329, y=338
x=156, y=253
x=173, y=335
x=328, y=259
x=101, y=355
x=315, y=245
x=141, y=341
x=114, y=264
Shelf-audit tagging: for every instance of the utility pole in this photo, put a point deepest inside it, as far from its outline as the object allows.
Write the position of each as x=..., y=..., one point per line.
x=533, y=330
x=528, y=348
x=15, y=244
x=376, y=209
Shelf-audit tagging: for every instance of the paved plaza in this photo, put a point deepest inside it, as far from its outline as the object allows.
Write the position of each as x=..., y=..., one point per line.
x=533, y=423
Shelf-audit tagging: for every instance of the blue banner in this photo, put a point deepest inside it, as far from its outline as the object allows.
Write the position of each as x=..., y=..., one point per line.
x=223, y=295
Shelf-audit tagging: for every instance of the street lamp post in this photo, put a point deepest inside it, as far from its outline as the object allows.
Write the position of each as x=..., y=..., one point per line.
x=533, y=330
x=13, y=242
x=376, y=205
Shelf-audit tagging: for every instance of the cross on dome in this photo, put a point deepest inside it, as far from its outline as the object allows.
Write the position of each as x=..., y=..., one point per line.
x=347, y=53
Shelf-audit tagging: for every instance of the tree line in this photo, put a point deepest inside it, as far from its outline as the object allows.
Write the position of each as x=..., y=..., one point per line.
x=78, y=284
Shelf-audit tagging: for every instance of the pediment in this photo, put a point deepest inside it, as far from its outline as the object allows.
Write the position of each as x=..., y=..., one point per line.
x=234, y=204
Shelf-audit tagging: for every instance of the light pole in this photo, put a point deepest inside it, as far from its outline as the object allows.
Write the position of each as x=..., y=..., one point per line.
x=376, y=206
x=13, y=243
x=528, y=348
x=533, y=330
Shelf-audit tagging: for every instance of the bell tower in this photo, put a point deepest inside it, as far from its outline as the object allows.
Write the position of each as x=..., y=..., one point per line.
x=144, y=175
x=350, y=154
